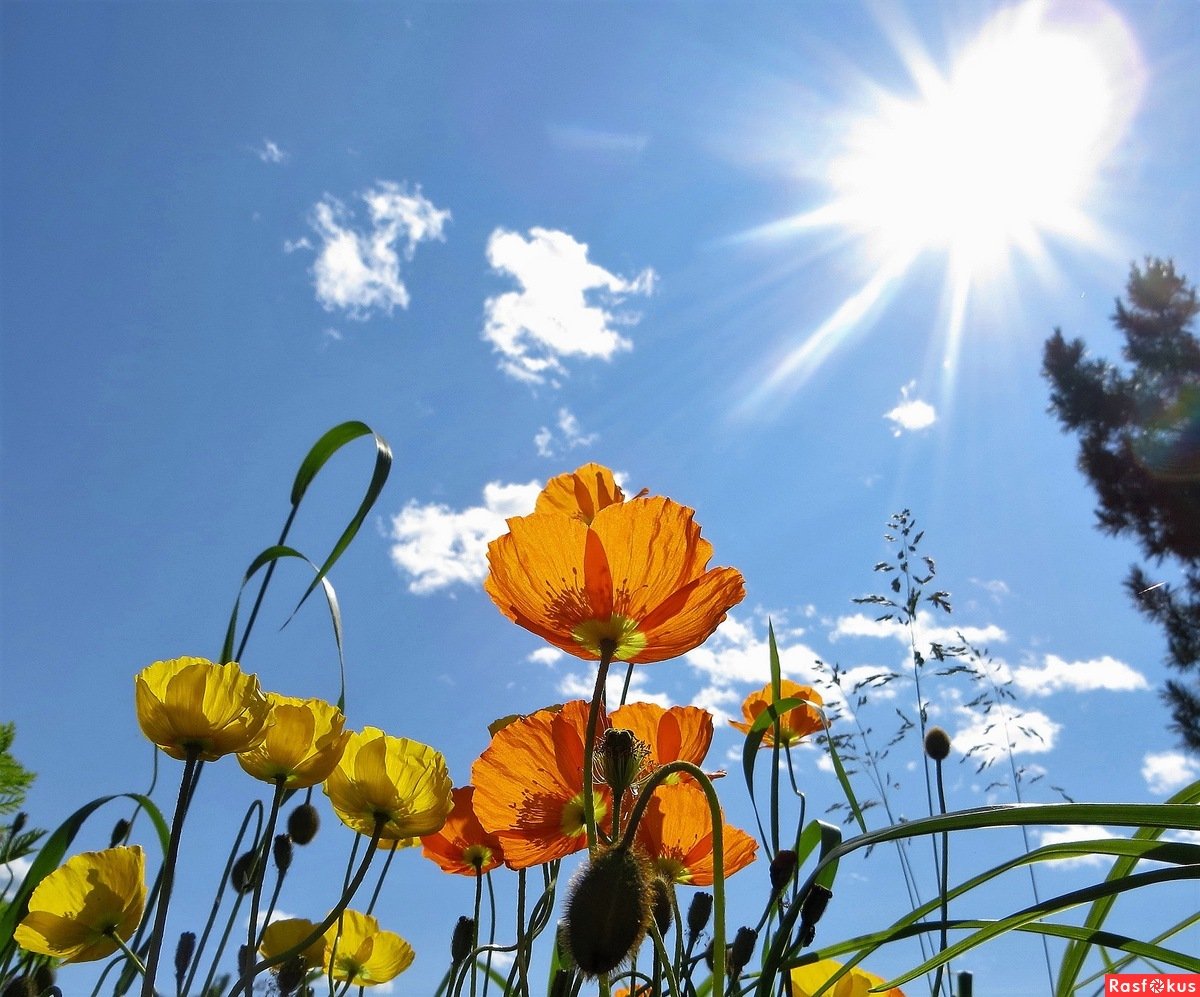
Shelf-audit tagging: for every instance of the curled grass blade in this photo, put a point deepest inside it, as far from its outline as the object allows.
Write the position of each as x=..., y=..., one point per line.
x=268, y=558
x=1076, y=953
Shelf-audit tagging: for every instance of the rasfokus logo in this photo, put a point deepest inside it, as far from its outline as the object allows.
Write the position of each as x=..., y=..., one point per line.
x=1152, y=983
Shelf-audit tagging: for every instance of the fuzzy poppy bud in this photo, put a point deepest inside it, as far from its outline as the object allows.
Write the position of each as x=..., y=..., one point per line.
x=22, y=986
x=243, y=874
x=562, y=945
x=937, y=744
x=462, y=940
x=183, y=956
x=660, y=904
x=741, y=951
x=245, y=959
x=783, y=867
x=119, y=832
x=621, y=760
x=811, y=911
x=281, y=851
x=291, y=975
x=303, y=823
x=562, y=984
x=608, y=910
x=43, y=979
x=699, y=911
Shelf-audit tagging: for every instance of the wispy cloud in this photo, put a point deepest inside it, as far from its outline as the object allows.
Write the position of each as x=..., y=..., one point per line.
x=1167, y=771
x=1056, y=675
x=437, y=547
x=270, y=152
x=581, y=684
x=910, y=413
x=564, y=308
x=577, y=138
x=357, y=270
x=569, y=436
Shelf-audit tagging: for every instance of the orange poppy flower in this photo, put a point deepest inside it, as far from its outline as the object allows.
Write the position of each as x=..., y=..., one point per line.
x=529, y=786
x=676, y=832
x=794, y=725
x=681, y=733
x=580, y=494
x=462, y=846
x=636, y=576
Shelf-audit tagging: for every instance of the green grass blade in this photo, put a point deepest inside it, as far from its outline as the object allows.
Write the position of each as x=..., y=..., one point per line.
x=1076, y=953
x=51, y=855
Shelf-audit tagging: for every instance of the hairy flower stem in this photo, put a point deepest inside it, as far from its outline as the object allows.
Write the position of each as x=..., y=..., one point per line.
x=320, y=929
x=607, y=648
x=944, y=883
x=190, y=766
x=718, y=847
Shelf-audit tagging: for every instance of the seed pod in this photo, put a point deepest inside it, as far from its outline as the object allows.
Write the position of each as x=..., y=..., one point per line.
x=811, y=911
x=303, y=823
x=281, y=851
x=699, y=911
x=660, y=903
x=937, y=744
x=183, y=956
x=462, y=940
x=243, y=874
x=783, y=867
x=119, y=831
x=608, y=910
x=741, y=951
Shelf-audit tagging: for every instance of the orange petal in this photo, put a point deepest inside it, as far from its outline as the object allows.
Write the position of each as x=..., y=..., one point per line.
x=689, y=616
x=580, y=494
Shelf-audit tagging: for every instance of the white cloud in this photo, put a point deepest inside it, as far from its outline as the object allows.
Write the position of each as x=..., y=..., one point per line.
x=1082, y=832
x=988, y=736
x=862, y=625
x=358, y=271
x=17, y=869
x=1078, y=676
x=547, y=656
x=995, y=587
x=571, y=436
x=911, y=413
x=437, y=546
x=270, y=152
x=737, y=654
x=562, y=309
x=581, y=685
x=1167, y=771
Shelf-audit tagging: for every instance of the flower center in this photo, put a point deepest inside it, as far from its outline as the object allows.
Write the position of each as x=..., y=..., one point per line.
x=621, y=630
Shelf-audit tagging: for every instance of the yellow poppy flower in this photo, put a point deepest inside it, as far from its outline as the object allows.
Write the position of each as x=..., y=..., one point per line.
x=286, y=934
x=402, y=783
x=78, y=911
x=807, y=980
x=636, y=578
x=794, y=725
x=190, y=705
x=364, y=955
x=580, y=494
x=304, y=742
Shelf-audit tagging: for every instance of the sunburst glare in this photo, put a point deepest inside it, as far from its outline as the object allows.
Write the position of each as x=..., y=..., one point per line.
x=995, y=159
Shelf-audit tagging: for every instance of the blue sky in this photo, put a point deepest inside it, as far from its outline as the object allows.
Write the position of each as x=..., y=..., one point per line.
x=513, y=238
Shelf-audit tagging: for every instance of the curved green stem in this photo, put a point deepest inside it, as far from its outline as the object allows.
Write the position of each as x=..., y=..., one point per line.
x=607, y=647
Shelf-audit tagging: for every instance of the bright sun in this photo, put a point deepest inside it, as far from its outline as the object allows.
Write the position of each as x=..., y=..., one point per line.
x=991, y=159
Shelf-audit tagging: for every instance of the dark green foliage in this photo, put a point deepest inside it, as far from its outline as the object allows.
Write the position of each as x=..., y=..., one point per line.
x=1139, y=446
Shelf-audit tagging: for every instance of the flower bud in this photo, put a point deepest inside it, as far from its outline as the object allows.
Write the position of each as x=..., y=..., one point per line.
x=562, y=944
x=183, y=956
x=660, y=904
x=699, y=911
x=783, y=867
x=815, y=901
x=303, y=823
x=243, y=874
x=119, y=833
x=21, y=986
x=741, y=951
x=18, y=824
x=622, y=761
x=43, y=979
x=608, y=910
x=937, y=744
x=463, y=940
x=245, y=959
x=291, y=975
x=281, y=851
